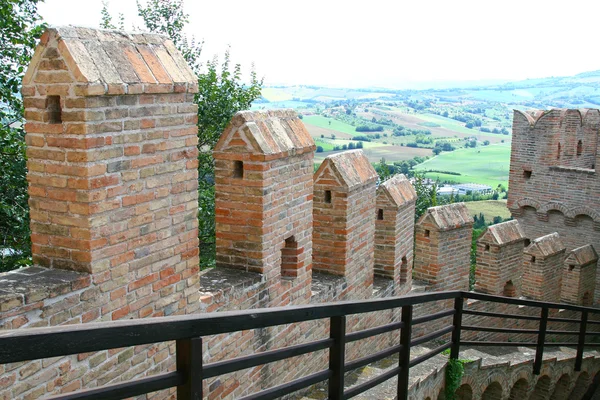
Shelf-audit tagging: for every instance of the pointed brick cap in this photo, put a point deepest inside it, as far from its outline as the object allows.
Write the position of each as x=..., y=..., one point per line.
x=503, y=234
x=398, y=189
x=582, y=256
x=267, y=134
x=545, y=246
x=115, y=62
x=351, y=169
x=447, y=217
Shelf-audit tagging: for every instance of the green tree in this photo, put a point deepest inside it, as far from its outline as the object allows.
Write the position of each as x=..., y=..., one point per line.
x=383, y=169
x=106, y=18
x=221, y=93
x=19, y=31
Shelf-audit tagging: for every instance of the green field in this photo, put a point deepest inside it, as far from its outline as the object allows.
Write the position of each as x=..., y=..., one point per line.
x=331, y=123
x=489, y=208
x=488, y=165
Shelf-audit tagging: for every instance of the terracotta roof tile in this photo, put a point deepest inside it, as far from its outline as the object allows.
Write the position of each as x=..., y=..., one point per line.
x=503, y=234
x=352, y=168
x=399, y=190
x=447, y=217
x=107, y=57
x=546, y=246
x=273, y=133
x=582, y=256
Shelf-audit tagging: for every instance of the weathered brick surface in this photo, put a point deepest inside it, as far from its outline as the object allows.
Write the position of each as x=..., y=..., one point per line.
x=579, y=276
x=443, y=245
x=552, y=187
x=344, y=220
x=542, y=268
x=112, y=172
x=394, y=231
x=500, y=260
x=264, y=188
x=112, y=186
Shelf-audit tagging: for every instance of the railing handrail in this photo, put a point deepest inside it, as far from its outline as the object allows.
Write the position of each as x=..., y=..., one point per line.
x=188, y=330
x=28, y=344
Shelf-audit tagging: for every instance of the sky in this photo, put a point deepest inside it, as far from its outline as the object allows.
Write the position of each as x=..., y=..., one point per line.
x=379, y=43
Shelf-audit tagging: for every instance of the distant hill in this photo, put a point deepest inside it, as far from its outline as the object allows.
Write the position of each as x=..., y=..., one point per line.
x=578, y=91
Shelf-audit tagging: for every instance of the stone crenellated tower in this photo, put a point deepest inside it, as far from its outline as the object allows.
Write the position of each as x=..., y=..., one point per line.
x=554, y=185
x=394, y=231
x=542, y=268
x=443, y=247
x=500, y=259
x=264, y=189
x=344, y=220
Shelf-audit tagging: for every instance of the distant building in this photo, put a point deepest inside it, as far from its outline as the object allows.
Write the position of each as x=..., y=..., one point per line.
x=447, y=190
x=472, y=188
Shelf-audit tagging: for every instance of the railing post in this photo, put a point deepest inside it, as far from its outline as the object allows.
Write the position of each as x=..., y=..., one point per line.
x=404, y=359
x=457, y=324
x=539, y=351
x=337, y=354
x=581, y=342
x=189, y=364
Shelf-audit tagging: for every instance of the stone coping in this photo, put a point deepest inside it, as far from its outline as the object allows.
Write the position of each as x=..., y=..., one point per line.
x=222, y=279
x=32, y=284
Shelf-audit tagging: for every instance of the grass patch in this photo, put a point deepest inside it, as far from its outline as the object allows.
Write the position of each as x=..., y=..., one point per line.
x=489, y=208
x=488, y=165
x=330, y=123
x=430, y=124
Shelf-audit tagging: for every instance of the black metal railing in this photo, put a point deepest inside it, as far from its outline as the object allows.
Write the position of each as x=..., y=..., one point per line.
x=188, y=331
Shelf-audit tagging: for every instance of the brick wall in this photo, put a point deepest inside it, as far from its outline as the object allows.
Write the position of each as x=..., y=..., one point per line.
x=344, y=220
x=264, y=189
x=500, y=260
x=442, y=248
x=552, y=190
x=111, y=135
x=579, y=276
x=542, y=268
x=394, y=231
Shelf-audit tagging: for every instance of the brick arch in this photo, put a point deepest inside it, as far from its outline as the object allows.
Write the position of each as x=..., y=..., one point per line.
x=525, y=116
x=581, y=384
x=492, y=392
x=557, y=207
x=527, y=202
x=496, y=377
x=523, y=372
x=571, y=111
x=548, y=113
x=464, y=392
x=475, y=385
x=519, y=389
x=562, y=388
x=541, y=390
x=442, y=394
x=588, y=212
